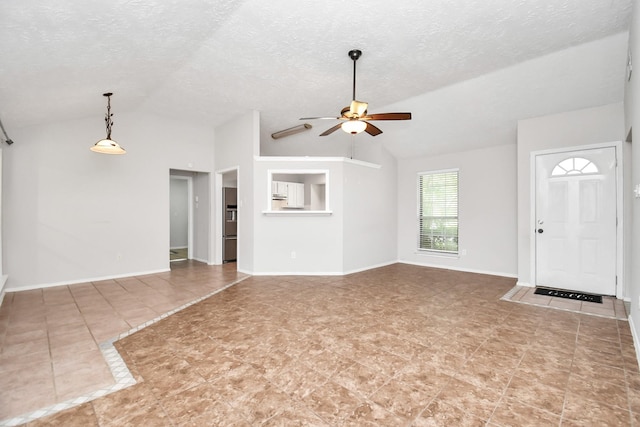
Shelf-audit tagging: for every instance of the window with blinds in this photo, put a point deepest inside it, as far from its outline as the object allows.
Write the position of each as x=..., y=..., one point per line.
x=438, y=211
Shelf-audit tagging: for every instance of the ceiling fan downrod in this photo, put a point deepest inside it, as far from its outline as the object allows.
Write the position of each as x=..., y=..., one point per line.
x=354, y=55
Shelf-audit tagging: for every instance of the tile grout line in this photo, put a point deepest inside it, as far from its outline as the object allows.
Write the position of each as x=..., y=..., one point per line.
x=121, y=374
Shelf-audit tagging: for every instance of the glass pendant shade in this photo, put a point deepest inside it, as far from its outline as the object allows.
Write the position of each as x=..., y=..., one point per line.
x=107, y=146
x=354, y=126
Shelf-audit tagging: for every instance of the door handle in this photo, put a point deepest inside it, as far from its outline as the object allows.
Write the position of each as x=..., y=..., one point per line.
x=540, y=230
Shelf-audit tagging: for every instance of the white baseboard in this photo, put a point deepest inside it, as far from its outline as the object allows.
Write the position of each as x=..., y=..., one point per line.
x=86, y=280
x=343, y=273
x=295, y=273
x=636, y=341
x=525, y=284
x=3, y=282
x=465, y=270
x=321, y=273
x=371, y=267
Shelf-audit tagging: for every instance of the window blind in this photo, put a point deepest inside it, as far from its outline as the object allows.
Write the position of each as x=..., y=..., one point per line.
x=438, y=211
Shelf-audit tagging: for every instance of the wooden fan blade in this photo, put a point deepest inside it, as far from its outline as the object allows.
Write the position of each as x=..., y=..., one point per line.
x=331, y=130
x=388, y=116
x=372, y=130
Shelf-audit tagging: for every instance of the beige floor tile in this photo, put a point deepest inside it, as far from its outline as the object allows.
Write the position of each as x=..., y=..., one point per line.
x=397, y=345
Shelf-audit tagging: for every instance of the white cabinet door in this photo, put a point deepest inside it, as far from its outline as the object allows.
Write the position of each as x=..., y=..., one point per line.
x=300, y=195
x=279, y=188
x=295, y=195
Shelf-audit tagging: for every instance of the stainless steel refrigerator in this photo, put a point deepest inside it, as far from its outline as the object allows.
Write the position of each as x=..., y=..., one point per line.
x=230, y=225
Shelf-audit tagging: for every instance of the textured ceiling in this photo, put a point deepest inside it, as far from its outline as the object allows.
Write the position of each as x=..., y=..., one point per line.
x=207, y=61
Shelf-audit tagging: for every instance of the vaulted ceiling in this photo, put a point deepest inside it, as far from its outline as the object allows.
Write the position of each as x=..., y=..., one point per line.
x=205, y=61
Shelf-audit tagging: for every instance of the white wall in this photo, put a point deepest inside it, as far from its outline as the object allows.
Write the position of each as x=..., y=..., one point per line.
x=358, y=234
x=3, y=277
x=202, y=217
x=72, y=215
x=570, y=129
x=487, y=210
x=370, y=214
x=237, y=142
x=315, y=239
x=632, y=98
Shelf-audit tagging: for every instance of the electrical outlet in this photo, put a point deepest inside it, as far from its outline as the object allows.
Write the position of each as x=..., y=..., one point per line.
x=293, y=254
x=118, y=257
x=463, y=252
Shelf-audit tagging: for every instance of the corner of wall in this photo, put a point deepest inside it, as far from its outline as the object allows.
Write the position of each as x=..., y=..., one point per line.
x=3, y=282
x=636, y=342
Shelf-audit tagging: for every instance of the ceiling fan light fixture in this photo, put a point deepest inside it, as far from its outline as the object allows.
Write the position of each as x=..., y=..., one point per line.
x=355, y=117
x=354, y=126
x=107, y=145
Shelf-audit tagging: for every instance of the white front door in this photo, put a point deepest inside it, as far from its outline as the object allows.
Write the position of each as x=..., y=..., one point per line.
x=575, y=231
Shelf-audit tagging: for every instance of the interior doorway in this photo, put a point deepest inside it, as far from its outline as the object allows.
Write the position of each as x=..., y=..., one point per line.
x=575, y=220
x=228, y=217
x=190, y=216
x=181, y=221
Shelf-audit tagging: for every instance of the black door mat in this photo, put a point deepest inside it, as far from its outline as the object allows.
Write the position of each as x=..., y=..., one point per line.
x=569, y=295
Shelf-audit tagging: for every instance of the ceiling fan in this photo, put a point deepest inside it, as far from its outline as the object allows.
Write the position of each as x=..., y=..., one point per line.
x=355, y=117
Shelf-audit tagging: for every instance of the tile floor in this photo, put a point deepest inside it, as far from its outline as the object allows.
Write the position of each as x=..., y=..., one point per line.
x=610, y=307
x=398, y=345
x=50, y=338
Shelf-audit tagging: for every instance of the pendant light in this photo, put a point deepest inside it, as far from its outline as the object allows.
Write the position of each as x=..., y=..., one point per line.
x=107, y=145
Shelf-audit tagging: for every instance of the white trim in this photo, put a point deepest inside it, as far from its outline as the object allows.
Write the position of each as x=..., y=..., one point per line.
x=87, y=280
x=465, y=270
x=636, y=340
x=344, y=273
x=524, y=284
x=324, y=273
x=219, y=213
x=617, y=145
x=3, y=282
x=317, y=159
x=384, y=264
x=298, y=212
x=189, y=180
x=297, y=273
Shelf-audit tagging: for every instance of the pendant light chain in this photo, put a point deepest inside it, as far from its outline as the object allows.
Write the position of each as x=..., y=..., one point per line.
x=107, y=117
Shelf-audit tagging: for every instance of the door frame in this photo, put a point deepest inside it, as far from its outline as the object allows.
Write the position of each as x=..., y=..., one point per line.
x=220, y=212
x=189, y=212
x=619, y=208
